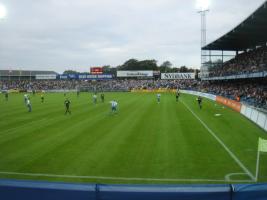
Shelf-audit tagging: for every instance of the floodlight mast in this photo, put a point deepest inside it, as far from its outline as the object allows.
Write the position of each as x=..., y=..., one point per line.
x=204, y=68
x=203, y=9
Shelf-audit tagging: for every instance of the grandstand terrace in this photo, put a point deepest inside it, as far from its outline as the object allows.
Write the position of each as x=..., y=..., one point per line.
x=248, y=40
x=244, y=77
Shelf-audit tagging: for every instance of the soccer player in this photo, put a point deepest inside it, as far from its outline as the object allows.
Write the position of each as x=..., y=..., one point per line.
x=67, y=106
x=6, y=95
x=102, y=97
x=158, y=97
x=78, y=93
x=42, y=98
x=199, y=100
x=114, y=105
x=177, y=95
x=95, y=98
x=29, y=105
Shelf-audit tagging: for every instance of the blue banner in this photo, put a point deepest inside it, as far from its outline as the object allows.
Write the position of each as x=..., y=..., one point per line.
x=95, y=76
x=85, y=76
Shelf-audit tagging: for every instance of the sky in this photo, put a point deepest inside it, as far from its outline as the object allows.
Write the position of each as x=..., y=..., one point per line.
x=76, y=34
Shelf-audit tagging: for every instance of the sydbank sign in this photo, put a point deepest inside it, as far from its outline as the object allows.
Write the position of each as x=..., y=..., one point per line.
x=177, y=76
x=134, y=73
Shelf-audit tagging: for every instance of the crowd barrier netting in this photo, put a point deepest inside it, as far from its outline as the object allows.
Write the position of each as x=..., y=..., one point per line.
x=30, y=190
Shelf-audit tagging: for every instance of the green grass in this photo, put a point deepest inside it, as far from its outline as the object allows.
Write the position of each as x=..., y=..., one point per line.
x=144, y=140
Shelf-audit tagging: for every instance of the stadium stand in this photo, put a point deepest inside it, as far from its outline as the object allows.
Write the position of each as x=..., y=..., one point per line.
x=244, y=77
x=249, y=37
x=108, y=85
x=252, y=92
x=248, y=62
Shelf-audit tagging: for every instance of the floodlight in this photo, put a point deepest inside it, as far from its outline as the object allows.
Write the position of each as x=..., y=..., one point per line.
x=3, y=11
x=202, y=4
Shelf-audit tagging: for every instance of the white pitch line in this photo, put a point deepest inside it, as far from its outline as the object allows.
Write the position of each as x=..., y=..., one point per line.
x=120, y=178
x=222, y=144
x=228, y=176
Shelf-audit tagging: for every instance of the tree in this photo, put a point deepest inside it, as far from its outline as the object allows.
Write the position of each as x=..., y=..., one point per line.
x=70, y=72
x=184, y=69
x=131, y=64
x=148, y=65
x=134, y=64
x=106, y=69
x=166, y=64
x=166, y=67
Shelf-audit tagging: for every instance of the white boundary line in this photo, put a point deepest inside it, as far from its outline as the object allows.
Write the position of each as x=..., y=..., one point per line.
x=222, y=144
x=120, y=178
x=228, y=176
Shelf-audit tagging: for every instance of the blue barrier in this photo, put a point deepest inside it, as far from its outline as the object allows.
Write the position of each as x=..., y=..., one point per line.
x=17, y=190
x=184, y=192
x=33, y=190
x=248, y=192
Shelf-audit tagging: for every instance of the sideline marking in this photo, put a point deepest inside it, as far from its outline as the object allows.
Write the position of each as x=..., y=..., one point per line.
x=120, y=178
x=228, y=176
x=222, y=144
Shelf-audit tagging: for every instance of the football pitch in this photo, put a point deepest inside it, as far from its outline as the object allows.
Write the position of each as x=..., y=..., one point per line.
x=145, y=142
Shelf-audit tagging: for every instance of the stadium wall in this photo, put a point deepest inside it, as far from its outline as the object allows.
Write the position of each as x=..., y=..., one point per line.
x=229, y=103
x=14, y=190
x=255, y=115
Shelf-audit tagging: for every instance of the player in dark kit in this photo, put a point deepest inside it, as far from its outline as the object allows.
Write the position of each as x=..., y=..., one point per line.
x=67, y=106
x=6, y=96
x=177, y=96
x=102, y=96
x=78, y=93
x=199, y=100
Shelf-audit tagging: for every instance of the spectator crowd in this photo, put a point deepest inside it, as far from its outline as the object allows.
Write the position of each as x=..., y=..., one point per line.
x=248, y=62
x=105, y=85
x=254, y=93
x=249, y=91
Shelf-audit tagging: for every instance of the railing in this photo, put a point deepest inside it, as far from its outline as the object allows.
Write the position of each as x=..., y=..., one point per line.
x=237, y=76
x=30, y=190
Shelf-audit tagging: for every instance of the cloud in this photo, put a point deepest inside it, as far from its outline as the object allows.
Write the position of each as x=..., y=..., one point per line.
x=64, y=34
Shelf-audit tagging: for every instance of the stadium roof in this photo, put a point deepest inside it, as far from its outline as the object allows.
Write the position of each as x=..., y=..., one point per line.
x=24, y=73
x=250, y=33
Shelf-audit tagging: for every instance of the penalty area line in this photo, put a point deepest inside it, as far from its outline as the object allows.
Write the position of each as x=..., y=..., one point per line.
x=222, y=144
x=120, y=178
